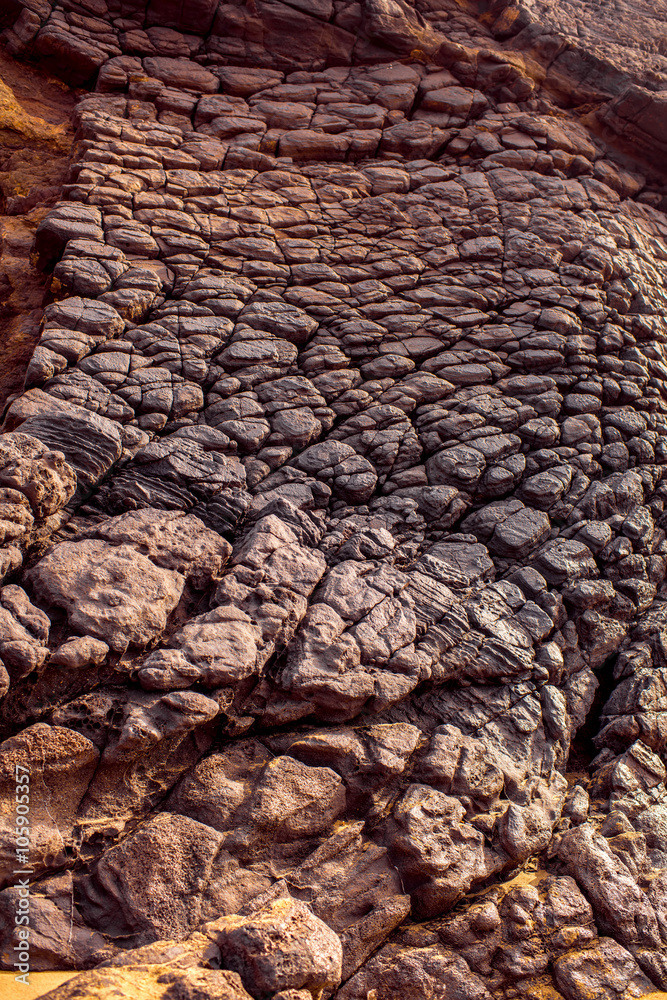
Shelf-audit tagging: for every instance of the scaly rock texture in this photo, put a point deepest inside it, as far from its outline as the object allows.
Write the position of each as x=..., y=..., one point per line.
x=333, y=542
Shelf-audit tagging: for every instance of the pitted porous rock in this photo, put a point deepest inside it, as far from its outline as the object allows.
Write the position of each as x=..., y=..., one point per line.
x=60, y=765
x=280, y=946
x=215, y=649
x=42, y=476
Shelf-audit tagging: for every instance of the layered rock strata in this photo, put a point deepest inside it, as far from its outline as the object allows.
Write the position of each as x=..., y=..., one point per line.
x=333, y=506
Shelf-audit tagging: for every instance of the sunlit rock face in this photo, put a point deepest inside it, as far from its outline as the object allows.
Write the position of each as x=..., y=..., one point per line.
x=333, y=620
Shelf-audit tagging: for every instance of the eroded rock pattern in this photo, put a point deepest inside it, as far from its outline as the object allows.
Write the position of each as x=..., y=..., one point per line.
x=334, y=504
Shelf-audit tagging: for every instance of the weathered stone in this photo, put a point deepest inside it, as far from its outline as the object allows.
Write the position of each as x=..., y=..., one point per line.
x=171, y=857
x=438, y=854
x=113, y=593
x=41, y=475
x=55, y=765
x=257, y=947
x=171, y=540
x=77, y=653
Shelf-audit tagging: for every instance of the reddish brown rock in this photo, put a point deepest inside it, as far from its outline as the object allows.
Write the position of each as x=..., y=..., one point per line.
x=335, y=492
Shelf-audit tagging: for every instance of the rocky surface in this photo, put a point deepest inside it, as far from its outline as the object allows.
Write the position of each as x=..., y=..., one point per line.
x=35, y=139
x=333, y=539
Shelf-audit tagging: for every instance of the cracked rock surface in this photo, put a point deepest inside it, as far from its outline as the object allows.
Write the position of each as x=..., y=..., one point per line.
x=333, y=542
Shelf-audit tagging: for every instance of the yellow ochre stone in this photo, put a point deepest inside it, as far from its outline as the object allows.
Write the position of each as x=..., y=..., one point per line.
x=13, y=116
x=39, y=984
